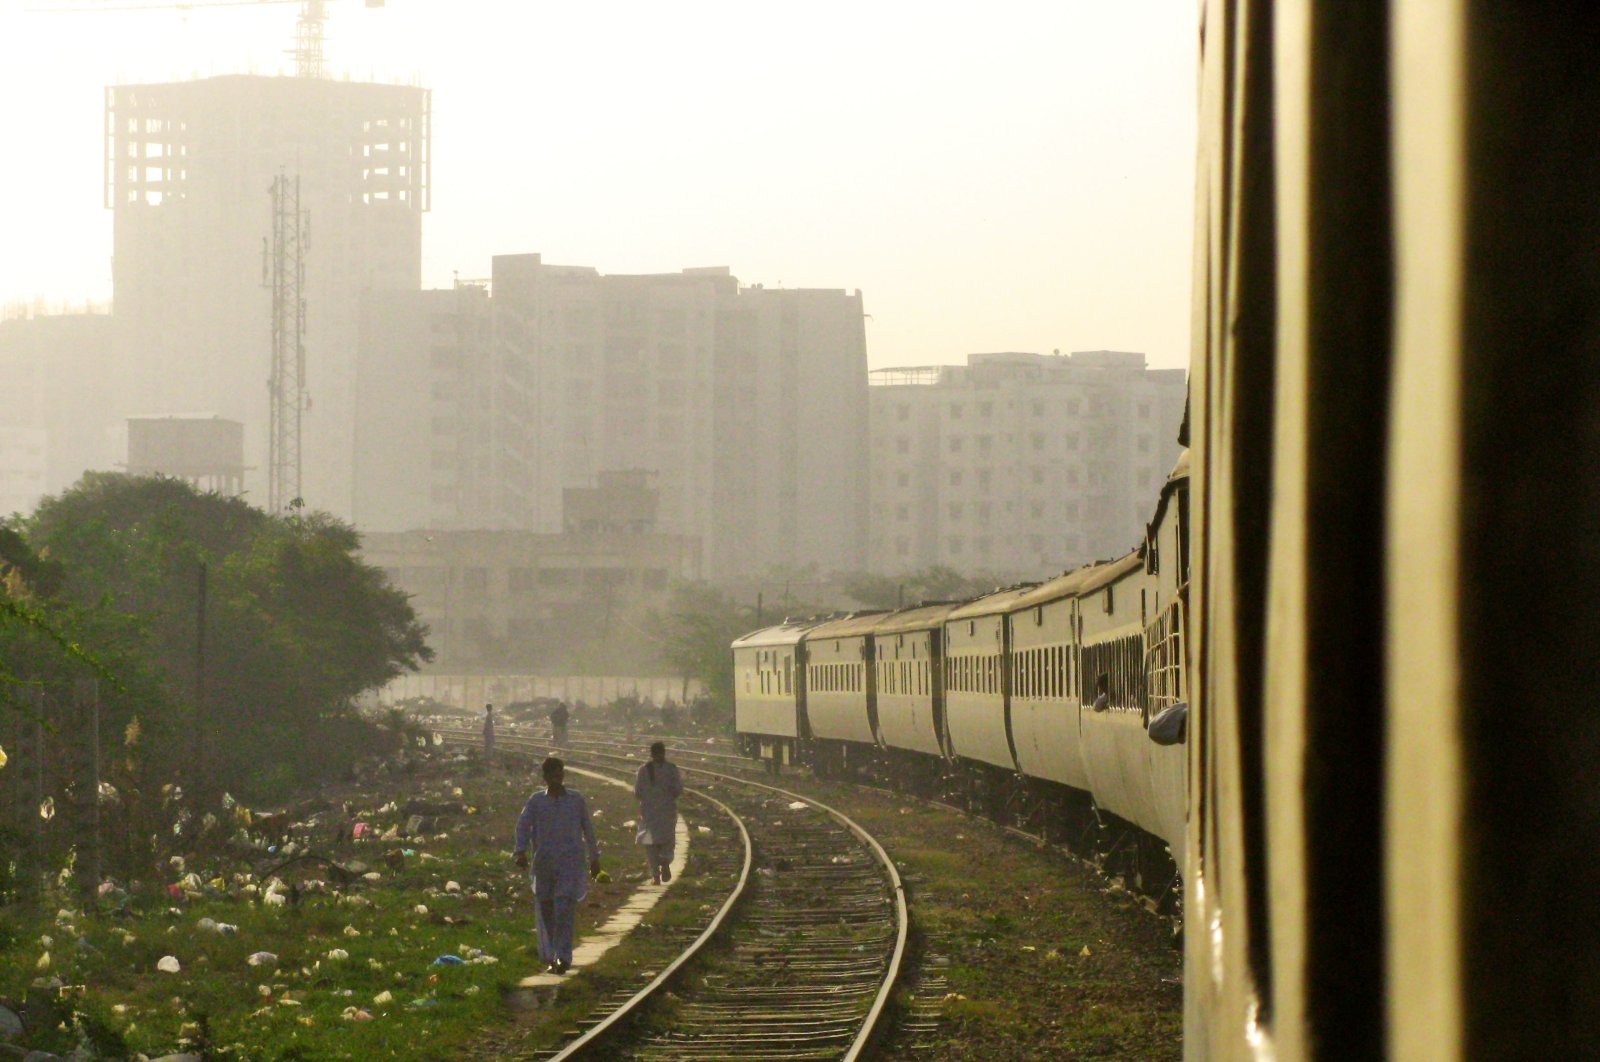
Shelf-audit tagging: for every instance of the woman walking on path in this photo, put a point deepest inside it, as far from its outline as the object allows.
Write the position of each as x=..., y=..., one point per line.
x=555, y=823
x=657, y=787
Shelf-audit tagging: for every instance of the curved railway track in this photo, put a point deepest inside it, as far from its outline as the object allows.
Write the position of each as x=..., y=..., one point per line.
x=810, y=944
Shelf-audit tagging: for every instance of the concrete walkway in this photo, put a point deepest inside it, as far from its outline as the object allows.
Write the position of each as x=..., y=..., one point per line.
x=588, y=949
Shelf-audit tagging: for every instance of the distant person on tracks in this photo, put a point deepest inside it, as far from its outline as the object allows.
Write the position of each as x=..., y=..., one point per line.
x=488, y=732
x=1102, y=698
x=658, y=787
x=555, y=825
x=558, y=723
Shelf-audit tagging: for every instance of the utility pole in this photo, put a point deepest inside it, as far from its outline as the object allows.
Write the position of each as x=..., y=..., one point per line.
x=283, y=269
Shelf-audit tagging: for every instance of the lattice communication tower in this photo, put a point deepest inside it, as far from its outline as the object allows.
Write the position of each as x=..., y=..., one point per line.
x=284, y=270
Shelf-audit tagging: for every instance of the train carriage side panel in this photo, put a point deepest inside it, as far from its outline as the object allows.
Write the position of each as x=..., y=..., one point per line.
x=1111, y=611
x=767, y=682
x=839, y=685
x=1044, y=701
x=908, y=650
x=975, y=680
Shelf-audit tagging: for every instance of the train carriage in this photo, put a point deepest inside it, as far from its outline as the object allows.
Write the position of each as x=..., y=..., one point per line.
x=908, y=649
x=975, y=679
x=839, y=685
x=1112, y=609
x=1044, y=693
x=768, y=694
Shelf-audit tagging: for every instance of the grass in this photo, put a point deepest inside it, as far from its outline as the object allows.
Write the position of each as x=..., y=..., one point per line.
x=305, y=1004
x=1044, y=961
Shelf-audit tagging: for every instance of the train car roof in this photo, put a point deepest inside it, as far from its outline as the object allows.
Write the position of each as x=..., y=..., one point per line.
x=1109, y=572
x=851, y=626
x=1000, y=601
x=1067, y=584
x=917, y=618
x=785, y=633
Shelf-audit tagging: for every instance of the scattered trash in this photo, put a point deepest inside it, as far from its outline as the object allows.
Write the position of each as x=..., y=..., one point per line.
x=383, y=997
x=47, y=941
x=262, y=958
x=354, y=1014
x=169, y=964
x=1085, y=953
x=47, y=808
x=700, y=829
x=338, y=955
x=10, y=1024
x=2, y=757
x=351, y=931
x=420, y=910
x=452, y=886
x=360, y=830
x=44, y=963
x=449, y=960
x=798, y=805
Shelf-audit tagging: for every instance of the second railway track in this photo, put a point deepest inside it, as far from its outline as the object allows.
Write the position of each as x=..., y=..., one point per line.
x=804, y=965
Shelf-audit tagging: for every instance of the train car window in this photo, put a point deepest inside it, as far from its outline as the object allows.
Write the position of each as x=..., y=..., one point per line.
x=1110, y=600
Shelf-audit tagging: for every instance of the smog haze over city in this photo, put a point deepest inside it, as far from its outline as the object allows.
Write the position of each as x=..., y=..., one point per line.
x=1018, y=177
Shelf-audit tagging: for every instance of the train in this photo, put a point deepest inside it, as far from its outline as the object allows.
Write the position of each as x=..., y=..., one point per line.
x=1386, y=637
x=1032, y=702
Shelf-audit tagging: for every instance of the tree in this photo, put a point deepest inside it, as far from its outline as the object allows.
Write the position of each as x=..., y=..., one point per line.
x=295, y=625
x=694, y=633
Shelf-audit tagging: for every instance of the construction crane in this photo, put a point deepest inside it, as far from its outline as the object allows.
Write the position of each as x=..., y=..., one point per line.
x=307, y=50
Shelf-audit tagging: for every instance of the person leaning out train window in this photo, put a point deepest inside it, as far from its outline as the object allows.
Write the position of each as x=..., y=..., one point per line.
x=1102, y=696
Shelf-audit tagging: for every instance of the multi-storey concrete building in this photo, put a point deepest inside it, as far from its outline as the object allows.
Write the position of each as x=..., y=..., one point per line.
x=569, y=602
x=188, y=171
x=424, y=412
x=1018, y=464
x=58, y=402
x=746, y=407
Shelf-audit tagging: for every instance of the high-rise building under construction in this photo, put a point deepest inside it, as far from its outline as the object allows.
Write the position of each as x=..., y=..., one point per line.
x=189, y=166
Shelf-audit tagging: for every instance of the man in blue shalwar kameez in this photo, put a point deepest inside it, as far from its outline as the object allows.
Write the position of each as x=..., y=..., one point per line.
x=555, y=824
x=657, y=787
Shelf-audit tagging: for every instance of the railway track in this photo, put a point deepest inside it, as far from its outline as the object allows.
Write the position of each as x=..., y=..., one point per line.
x=809, y=944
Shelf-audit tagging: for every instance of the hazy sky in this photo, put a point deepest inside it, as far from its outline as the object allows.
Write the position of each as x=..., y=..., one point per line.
x=1006, y=176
